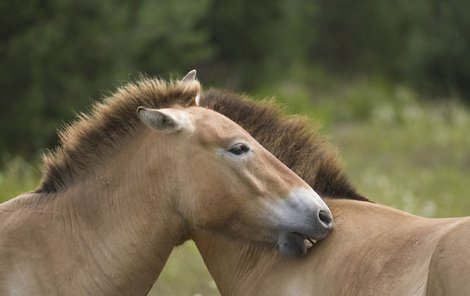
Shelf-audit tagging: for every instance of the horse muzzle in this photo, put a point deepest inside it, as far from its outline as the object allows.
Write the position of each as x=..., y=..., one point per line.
x=305, y=219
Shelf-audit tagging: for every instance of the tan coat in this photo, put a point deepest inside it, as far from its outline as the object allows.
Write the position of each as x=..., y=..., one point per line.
x=374, y=250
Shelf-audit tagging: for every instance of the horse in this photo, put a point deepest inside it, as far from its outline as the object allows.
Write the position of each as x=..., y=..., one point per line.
x=373, y=250
x=127, y=183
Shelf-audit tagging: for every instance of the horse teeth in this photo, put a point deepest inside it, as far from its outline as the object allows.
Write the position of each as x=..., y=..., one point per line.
x=308, y=243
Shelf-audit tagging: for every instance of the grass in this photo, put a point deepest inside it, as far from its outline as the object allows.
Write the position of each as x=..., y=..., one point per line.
x=185, y=274
x=398, y=151
x=16, y=177
x=420, y=168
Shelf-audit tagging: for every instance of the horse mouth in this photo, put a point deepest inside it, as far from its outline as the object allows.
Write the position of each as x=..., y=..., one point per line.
x=309, y=242
x=295, y=244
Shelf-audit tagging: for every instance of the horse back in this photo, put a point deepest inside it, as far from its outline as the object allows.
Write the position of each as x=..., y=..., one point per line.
x=449, y=270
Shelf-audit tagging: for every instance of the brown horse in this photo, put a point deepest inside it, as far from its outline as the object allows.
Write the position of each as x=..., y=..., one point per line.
x=374, y=250
x=125, y=187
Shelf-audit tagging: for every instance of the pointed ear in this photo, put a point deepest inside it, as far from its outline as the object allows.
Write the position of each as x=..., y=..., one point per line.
x=197, y=100
x=164, y=120
x=191, y=77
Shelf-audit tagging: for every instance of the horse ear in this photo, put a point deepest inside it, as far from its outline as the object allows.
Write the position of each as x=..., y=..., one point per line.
x=164, y=120
x=191, y=77
x=197, y=100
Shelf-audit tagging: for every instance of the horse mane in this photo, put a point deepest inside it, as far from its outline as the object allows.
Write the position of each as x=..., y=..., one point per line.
x=292, y=139
x=86, y=141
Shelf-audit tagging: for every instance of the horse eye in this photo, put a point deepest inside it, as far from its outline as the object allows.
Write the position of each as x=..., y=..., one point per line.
x=239, y=149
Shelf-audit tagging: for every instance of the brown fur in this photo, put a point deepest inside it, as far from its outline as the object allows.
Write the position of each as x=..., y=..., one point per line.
x=293, y=140
x=87, y=140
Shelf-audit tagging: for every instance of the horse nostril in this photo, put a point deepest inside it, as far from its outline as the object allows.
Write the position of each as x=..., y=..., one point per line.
x=325, y=217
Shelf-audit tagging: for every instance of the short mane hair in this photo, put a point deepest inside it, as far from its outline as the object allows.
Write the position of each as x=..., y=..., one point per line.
x=88, y=140
x=292, y=139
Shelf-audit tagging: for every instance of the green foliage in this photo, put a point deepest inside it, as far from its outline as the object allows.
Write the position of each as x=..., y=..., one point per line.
x=59, y=55
x=185, y=274
x=258, y=41
x=438, y=48
x=420, y=165
x=423, y=43
x=62, y=53
x=16, y=177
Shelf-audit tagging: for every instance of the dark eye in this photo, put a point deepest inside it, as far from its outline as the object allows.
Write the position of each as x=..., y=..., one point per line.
x=239, y=149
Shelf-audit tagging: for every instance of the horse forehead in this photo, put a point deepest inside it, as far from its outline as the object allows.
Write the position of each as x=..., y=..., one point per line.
x=212, y=125
x=208, y=116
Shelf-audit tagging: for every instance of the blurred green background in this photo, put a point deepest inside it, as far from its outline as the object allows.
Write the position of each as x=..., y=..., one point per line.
x=389, y=82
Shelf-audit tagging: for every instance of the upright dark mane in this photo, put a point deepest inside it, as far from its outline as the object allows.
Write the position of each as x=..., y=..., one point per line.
x=291, y=139
x=86, y=142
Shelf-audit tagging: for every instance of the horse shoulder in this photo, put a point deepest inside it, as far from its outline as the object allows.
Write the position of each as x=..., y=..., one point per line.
x=18, y=247
x=449, y=268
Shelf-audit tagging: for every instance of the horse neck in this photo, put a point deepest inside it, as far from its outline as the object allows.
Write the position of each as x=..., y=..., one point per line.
x=233, y=264
x=121, y=216
x=243, y=268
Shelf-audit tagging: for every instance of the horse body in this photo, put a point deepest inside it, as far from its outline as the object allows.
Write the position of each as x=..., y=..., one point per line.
x=54, y=245
x=104, y=235
x=374, y=250
x=125, y=187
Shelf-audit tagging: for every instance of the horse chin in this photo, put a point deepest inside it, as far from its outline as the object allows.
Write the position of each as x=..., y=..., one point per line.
x=294, y=244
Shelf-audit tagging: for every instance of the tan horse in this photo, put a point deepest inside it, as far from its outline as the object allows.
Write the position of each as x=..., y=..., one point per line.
x=374, y=250
x=125, y=187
